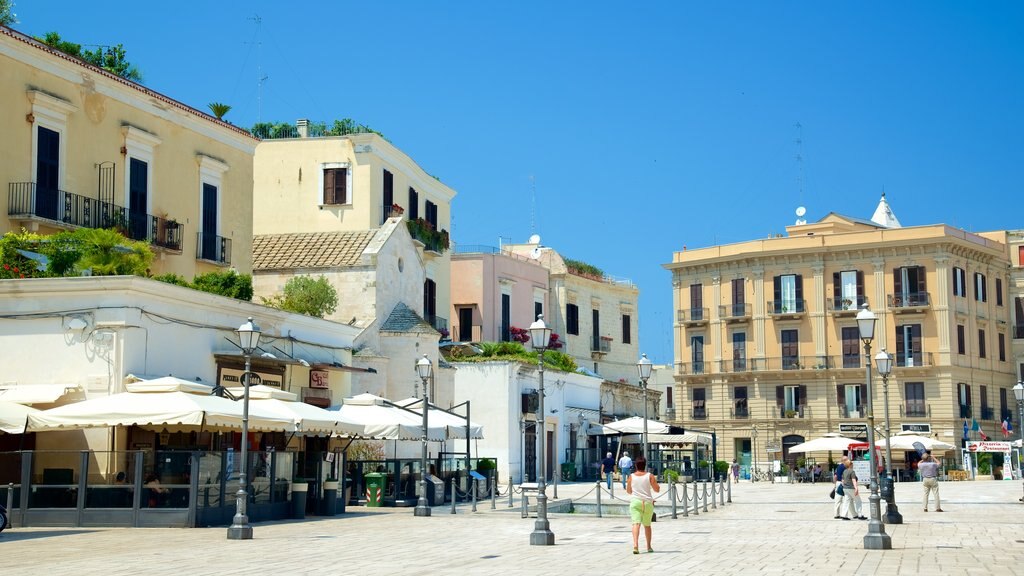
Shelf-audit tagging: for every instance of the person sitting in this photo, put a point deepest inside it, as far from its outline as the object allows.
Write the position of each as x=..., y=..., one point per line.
x=156, y=492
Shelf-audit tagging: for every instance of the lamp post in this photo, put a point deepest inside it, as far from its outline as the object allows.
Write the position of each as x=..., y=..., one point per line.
x=753, y=454
x=540, y=337
x=424, y=369
x=248, y=340
x=876, y=538
x=883, y=363
x=1018, y=393
x=644, y=366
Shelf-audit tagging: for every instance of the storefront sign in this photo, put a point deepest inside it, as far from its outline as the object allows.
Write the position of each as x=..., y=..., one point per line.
x=232, y=378
x=855, y=430
x=772, y=447
x=917, y=428
x=986, y=446
x=318, y=378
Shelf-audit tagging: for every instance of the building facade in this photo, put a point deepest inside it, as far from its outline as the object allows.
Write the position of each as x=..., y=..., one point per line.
x=768, y=352
x=85, y=148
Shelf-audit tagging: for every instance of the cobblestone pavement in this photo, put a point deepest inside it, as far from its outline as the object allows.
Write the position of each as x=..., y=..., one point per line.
x=768, y=529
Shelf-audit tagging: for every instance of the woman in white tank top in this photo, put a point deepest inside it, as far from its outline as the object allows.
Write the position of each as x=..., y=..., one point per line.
x=641, y=485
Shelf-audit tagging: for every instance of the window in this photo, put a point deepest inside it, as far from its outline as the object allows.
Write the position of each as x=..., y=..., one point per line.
x=335, y=186
x=1020, y=256
x=1003, y=412
x=964, y=396
x=1018, y=321
x=465, y=324
x=738, y=296
x=696, y=302
x=697, y=354
x=595, y=328
x=851, y=400
x=986, y=411
x=414, y=204
x=909, y=286
x=789, y=294
x=699, y=408
x=848, y=289
x=740, y=408
x=138, y=199
x=959, y=282
x=981, y=344
x=1002, y=346
x=430, y=302
x=626, y=336
x=431, y=213
x=572, y=319
x=914, y=393
x=668, y=397
x=851, y=347
x=908, y=345
x=961, y=340
x=790, y=349
x=211, y=175
x=790, y=400
x=50, y=118
x=388, y=196
x=739, y=351
x=538, y=309
x=999, y=291
x=506, y=318
x=980, y=293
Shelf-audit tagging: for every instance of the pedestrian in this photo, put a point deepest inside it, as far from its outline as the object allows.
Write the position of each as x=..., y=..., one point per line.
x=851, y=492
x=608, y=468
x=929, y=470
x=838, y=481
x=625, y=467
x=735, y=470
x=641, y=485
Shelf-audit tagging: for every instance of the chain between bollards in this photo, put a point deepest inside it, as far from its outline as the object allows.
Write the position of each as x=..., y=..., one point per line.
x=453, y=495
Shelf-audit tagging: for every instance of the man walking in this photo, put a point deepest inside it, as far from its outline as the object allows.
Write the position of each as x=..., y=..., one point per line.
x=625, y=468
x=608, y=468
x=929, y=470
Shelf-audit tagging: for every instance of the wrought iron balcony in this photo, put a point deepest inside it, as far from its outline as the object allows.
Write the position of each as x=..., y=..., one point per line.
x=692, y=316
x=842, y=306
x=467, y=332
x=851, y=361
x=915, y=409
x=740, y=409
x=965, y=411
x=793, y=307
x=440, y=324
x=600, y=344
x=918, y=360
x=699, y=413
x=734, y=312
x=847, y=412
x=909, y=302
x=791, y=412
x=988, y=413
x=684, y=368
x=26, y=200
x=213, y=248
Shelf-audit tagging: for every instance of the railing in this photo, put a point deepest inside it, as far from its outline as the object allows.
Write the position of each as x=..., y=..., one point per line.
x=734, y=311
x=433, y=241
x=914, y=360
x=965, y=411
x=915, y=409
x=600, y=344
x=692, y=315
x=779, y=307
x=699, y=413
x=440, y=324
x=213, y=248
x=1018, y=331
x=791, y=412
x=740, y=409
x=68, y=208
x=269, y=131
x=909, y=300
x=845, y=304
x=846, y=412
x=851, y=361
x=683, y=368
x=988, y=413
x=467, y=333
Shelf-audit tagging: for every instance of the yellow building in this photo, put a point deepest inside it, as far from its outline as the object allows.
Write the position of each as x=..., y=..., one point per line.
x=768, y=352
x=82, y=147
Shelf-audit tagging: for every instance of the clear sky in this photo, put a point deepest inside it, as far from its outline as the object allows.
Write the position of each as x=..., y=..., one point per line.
x=644, y=126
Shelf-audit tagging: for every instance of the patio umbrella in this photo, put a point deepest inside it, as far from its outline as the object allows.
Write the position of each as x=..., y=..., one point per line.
x=308, y=419
x=157, y=409
x=831, y=442
x=377, y=418
x=906, y=440
x=635, y=425
x=13, y=417
x=455, y=425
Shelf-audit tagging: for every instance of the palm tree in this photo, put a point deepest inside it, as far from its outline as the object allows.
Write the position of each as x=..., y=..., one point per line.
x=218, y=109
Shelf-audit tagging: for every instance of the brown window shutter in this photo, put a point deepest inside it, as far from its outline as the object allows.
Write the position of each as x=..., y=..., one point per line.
x=860, y=283
x=840, y=394
x=897, y=282
x=801, y=399
x=780, y=395
x=328, y=187
x=341, y=186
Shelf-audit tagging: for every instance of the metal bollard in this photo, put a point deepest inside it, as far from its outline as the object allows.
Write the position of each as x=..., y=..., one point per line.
x=526, y=506
x=672, y=495
x=511, y=493
x=686, y=502
x=730, y=489
x=714, y=501
x=705, y=496
x=10, y=504
x=721, y=494
x=475, y=488
x=453, y=495
x=556, y=486
x=494, y=492
x=598, y=498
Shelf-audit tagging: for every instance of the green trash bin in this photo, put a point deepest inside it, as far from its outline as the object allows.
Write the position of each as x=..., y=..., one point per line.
x=374, y=489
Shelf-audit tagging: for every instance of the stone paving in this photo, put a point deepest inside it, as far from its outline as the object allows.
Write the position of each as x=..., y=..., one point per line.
x=768, y=529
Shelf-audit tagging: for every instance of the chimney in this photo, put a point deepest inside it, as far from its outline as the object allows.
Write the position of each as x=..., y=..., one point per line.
x=303, y=127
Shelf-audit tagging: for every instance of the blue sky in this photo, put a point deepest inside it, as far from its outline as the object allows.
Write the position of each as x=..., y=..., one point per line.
x=645, y=126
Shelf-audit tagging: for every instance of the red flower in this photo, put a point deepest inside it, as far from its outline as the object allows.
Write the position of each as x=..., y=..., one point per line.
x=7, y=266
x=15, y=269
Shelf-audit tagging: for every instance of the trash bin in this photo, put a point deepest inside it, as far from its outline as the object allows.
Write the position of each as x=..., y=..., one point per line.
x=374, y=489
x=887, y=489
x=300, y=488
x=330, y=497
x=435, y=491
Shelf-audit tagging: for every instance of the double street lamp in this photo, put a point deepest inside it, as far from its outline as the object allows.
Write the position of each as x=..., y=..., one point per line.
x=540, y=337
x=883, y=363
x=248, y=340
x=644, y=366
x=1018, y=393
x=424, y=369
x=876, y=538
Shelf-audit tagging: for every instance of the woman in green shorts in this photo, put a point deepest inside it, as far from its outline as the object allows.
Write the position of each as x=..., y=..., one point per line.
x=642, y=486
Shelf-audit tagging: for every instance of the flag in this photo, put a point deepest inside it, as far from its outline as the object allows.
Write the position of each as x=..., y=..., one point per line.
x=982, y=434
x=965, y=429
x=974, y=425
x=1009, y=426
x=1006, y=427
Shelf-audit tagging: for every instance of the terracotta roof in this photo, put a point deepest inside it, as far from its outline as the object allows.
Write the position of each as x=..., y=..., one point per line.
x=309, y=250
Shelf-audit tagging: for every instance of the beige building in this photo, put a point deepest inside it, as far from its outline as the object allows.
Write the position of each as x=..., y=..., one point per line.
x=768, y=351
x=84, y=148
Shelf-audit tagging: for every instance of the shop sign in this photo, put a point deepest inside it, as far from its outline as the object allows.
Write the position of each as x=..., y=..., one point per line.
x=917, y=428
x=853, y=429
x=987, y=446
x=318, y=378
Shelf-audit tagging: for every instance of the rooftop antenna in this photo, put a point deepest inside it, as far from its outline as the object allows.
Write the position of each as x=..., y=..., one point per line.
x=799, y=140
x=260, y=76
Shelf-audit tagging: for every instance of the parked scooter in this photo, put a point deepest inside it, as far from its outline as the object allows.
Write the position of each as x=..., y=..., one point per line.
x=3, y=517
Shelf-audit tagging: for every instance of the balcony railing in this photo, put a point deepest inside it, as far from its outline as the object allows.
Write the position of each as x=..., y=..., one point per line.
x=740, y=409
x=847, y=412
x=467, y=332
x=786, y=307
x=842, y=304
x=25, y=199
x=915, y=409
x=693, y=315
x=910, y=300
x=734, y=312
x=988, y=413
x=1018, y=331
x=600, y=344
x=914, y=360
x=213, y=248
x=850, y=361
x=440, y=324
x=965, y=411
x=684, y=368
x=699, y=413
x=791, y=412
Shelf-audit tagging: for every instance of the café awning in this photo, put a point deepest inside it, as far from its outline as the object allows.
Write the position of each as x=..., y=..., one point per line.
x=454, y=424
x=36, y=393
x=13, y=417
x=635, y=425
x=378, y=418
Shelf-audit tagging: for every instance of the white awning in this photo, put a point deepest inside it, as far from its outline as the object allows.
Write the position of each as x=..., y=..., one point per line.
x=36, y=393
x=13, y=417
x=453, y=423
x=379, y=419
x=688, y=438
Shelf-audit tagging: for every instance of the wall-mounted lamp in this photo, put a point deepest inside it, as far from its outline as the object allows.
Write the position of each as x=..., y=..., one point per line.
x=124, y=150
x=30, y=118
x=77, y=323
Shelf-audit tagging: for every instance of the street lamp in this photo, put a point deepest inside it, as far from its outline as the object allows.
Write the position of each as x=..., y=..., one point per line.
x=424, y=369
x=644, y=366
x=876, y=538
x=248, y=340
x=1018, y=392
x=883, y=363
x=540, y=337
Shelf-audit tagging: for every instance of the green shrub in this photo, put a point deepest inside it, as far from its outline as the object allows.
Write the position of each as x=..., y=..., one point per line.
x=228, y=283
